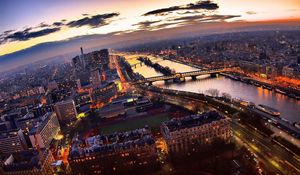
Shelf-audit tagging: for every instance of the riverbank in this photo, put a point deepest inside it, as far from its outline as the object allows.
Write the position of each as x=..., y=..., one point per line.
x=292, y=93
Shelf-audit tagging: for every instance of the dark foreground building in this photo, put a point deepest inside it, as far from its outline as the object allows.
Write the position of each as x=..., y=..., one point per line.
x=120, y=153
x=204, y=128
x=28, y=163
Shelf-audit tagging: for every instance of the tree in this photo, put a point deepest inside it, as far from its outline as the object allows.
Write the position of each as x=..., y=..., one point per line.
x=213, y=92
x=226, y=95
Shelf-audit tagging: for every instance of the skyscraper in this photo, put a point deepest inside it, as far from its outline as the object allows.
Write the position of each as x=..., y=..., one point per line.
x=65, y=111
x=85, y=64
x=42, y=135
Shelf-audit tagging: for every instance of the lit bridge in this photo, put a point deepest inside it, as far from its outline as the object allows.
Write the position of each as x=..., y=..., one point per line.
x=181, y=76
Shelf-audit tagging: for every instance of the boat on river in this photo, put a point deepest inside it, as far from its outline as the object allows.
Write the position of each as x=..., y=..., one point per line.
x=280, y=91
x=244, y=102
x=268, y=110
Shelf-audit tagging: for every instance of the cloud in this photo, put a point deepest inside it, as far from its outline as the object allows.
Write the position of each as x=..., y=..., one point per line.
x=93, y=21
x=8, y=31
x=200, y=5
x=181, y=21
x=166, y=25
x=42, y=25
x=57, y=24
x=146, y=24
x=152, y=25
x=251, y=13
x=204, y=18
x=28, y=34
x=162, y=11
x=44, y=29
x=207, y=5
x=27, y=29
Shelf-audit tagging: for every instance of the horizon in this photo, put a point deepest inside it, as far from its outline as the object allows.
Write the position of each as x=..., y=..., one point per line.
x=118, y=20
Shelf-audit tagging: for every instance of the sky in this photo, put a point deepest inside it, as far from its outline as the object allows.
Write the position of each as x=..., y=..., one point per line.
x=28, y=23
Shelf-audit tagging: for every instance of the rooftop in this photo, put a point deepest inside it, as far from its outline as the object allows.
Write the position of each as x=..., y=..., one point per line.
x=112, y=142
x=65, y=101
x=24, y=160
x=42, y=124
x=193, y=120
x=11, y=133
x=28, y=116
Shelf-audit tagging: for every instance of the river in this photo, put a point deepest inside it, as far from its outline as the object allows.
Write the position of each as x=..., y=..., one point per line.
x=289, y=107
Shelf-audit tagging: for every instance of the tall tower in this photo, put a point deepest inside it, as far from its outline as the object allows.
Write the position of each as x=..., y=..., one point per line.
x=81, y=51
x=82, y=57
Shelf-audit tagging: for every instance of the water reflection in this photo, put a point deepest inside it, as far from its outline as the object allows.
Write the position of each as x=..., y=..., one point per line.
x=176, y=66
x=289, y=108
x=146, y=71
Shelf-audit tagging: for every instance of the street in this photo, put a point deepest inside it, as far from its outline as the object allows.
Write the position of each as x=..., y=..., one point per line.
x=274, y=156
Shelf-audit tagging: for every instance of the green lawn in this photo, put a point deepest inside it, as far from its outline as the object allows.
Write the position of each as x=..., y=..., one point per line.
x=130, y=124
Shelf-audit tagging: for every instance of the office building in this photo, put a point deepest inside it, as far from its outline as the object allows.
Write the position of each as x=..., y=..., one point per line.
x=65, y=111
x=5, y=125
x=45, y=131
x=97, y=60
x=82, y=99
x=27, y=122
x=85, y=66
x=12, y=141
x=31, y=119
x=104, y=93
x=42, y=110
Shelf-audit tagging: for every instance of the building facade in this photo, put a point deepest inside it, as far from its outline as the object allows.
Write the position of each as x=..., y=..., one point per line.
x=104, y=93
x=29, y=163
x=200, y=128
x=42, y=135
x=65, y=111
x=12, y=141
x=114, y=154
x=86, y=64
x=27, y=122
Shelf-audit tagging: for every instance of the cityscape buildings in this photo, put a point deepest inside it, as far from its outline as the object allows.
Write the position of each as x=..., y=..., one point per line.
x=169, y=88
x=87, y=66
x=116, y=153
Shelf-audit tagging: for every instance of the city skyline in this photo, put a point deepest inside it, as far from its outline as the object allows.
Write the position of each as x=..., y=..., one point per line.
x=160, y=87
x=219, y=98
x=63, y=21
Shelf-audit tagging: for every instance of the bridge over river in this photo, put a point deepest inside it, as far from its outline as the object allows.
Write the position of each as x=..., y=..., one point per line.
x=181, y=76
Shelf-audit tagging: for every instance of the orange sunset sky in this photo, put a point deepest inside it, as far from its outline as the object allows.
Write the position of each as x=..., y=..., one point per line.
x=25, y=23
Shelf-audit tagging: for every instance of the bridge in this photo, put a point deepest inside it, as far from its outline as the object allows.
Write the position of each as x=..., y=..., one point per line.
x=181, y=76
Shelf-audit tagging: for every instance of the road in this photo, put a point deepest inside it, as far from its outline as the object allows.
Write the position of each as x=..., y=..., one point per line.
x=287, y=126
x=125, y=86
x=273, y=155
